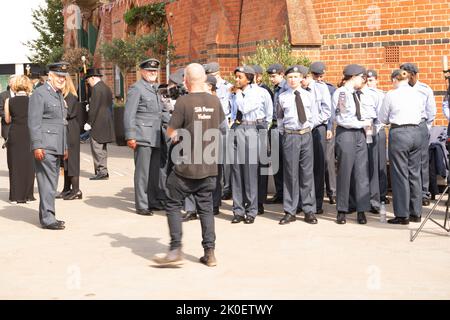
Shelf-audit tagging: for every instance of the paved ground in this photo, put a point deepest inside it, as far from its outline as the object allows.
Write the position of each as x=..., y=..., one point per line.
x=106, y=251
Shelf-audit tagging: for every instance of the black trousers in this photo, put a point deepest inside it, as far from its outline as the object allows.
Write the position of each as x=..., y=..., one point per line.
x=178, y=189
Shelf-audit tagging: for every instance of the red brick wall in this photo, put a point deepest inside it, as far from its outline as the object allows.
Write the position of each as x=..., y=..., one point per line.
x=351, y=31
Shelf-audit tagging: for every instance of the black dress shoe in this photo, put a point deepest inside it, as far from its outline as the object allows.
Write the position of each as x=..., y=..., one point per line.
x=340, y=219
x=74, y=195
x=310, y=218
x=320, y=211
x=55, y=226
x=216, y=211
x=226, y=196
x=100, y=177
x=298, y=211
x=288, y=218
x=61, y=222
x=275, y=199
x=21, y=201
x=238, y=219
x=361, y=218
x=249, y=220
x=144, y=212
x=332, y=200
x=425, y=202
x=415, y=219
x=62, y=194
x=374, y=210
x=398, y=220
x=260, y=210
x=190, y=215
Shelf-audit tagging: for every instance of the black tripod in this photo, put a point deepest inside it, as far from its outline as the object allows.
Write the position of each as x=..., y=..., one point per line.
x=446, y=191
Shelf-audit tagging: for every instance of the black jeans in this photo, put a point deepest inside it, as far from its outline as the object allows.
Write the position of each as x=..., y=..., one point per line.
x=178, y=189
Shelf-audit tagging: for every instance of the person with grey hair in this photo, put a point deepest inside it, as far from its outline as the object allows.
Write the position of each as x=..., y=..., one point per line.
x=48, y=134
x=196, y=109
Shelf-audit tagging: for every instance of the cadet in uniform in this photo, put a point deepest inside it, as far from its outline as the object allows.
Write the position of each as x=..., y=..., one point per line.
x=380, y=136
x=351, y=149
x=246, y=111
x=142, y=122
x=224, y=94
x=295, y=121
x=318, y=71
x=403, y=108
x=276, y=76
x=429, y=103
x=48, y=134
x=321, y=113
x=262, y=127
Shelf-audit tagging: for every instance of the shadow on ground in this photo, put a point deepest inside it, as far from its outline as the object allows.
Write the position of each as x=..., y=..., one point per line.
x=123, y=200
x=21, y=213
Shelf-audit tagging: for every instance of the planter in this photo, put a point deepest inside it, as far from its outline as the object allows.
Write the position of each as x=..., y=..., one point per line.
x=118, y=125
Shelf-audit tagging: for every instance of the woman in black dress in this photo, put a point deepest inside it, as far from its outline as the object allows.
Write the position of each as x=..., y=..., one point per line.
x=71, y=189
x=19, y=154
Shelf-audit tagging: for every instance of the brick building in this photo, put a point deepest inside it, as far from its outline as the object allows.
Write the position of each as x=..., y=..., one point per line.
x=378, y=34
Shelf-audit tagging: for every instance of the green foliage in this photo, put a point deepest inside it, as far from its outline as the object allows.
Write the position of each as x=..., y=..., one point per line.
x=73, y=56
x=272, y=52
x=127, y=53
x=49, y=22
x=152, y=14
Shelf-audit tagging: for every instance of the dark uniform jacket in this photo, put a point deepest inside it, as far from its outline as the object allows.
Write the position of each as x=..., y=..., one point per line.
x=143, y=111
x=47, y=120
x=100, y=113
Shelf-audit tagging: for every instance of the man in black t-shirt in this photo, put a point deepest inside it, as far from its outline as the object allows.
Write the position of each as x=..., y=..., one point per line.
x=194, y=171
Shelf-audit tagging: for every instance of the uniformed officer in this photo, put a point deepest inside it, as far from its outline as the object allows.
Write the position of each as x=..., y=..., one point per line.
x=429, y=103
x=295, y=121
x=142, y=122
x=224, y=94
x=318, y=69
x=321, y=113
x=372, y=82
x=262, y=127
x=352, y=120
x=403, y=109
x=48, y=134
x=276, y=77
x=246, y=111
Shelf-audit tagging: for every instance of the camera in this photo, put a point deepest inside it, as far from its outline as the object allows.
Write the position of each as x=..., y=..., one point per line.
x=173, y=92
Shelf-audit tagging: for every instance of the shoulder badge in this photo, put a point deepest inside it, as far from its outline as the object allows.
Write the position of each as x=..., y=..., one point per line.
x=341, y=103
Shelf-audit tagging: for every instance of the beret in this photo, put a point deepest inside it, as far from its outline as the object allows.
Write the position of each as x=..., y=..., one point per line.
x=245, y=69
x=296, y=68
x=275, y=68
x=317, y=67
x=371, y=73
x=354, y=70
x=258, y=69
x=177, y=77
x=211, y=67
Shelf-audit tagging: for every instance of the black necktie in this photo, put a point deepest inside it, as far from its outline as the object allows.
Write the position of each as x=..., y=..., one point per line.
x=357, y=97
x=300, y=107
x=308, y=89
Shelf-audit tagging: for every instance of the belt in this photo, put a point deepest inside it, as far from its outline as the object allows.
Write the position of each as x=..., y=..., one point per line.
x=249, y=122
x=393, y=125
x=303, y=131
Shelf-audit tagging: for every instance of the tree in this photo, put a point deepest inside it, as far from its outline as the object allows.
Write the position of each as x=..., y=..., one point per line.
x=272, y=52
x=49, y=22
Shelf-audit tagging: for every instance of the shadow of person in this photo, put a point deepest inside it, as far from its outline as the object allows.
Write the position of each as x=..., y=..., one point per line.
x=123, y=200
x=143, y=247
x=21, y=213
x=4, y=173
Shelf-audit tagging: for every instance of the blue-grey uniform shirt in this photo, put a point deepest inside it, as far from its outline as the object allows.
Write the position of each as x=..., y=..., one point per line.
x=267, y=106
x=401, y=106
x=47, y=122
x=428, y=101
x=224, y=95
x=445, y=107
x=321, y=110
x=287, y=110
x=377, y=96
x=344, y=108
x=250, y=102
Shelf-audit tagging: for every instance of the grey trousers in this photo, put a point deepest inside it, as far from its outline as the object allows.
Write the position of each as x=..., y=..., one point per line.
x=180, y=188
x=146, y=177
x=100, y=156
x=189, y=204
x=405, y=146
x=382, y=164
x=47, y=174
x=374, y=181
x=424, y=160
x=319, y=137
x=330, y=168
x=351, y=154
x=298, y=177
x=244, y=175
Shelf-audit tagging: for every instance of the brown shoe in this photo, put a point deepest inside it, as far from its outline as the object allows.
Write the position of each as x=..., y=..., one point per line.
x=172, y=258
x=209, y=258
